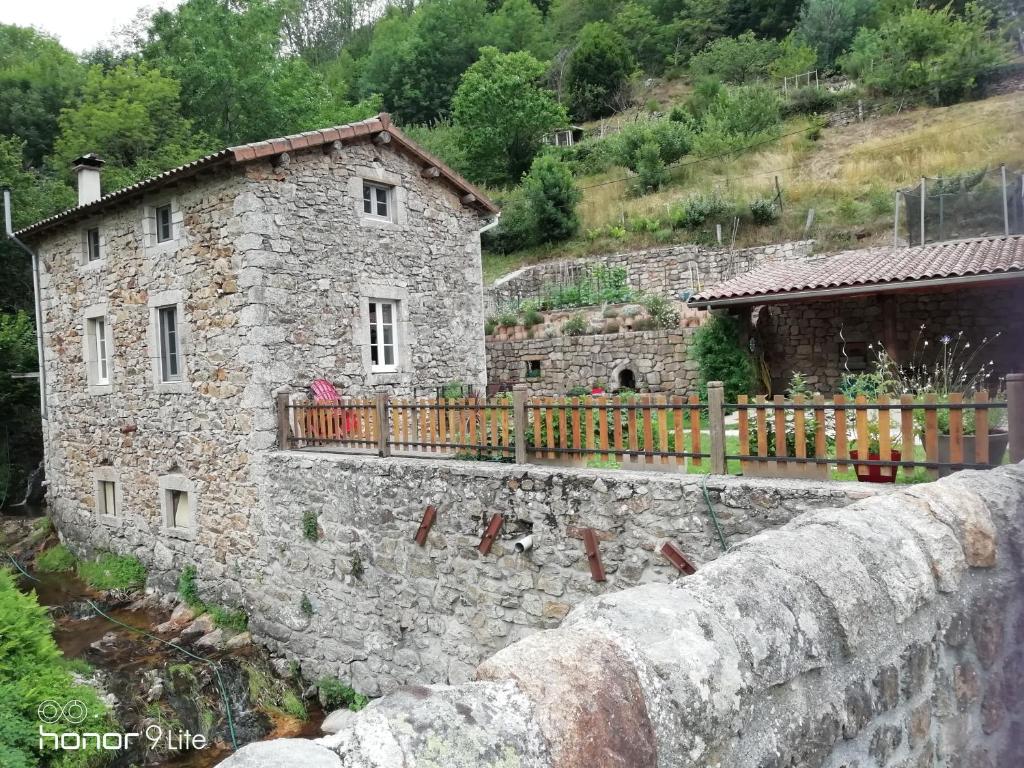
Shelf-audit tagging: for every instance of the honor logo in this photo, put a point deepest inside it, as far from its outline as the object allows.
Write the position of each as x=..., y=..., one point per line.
x=74, y=712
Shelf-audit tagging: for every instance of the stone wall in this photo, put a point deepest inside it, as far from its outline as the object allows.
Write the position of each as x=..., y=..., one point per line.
x=664, y=271
x=888, y=634
x=657, y=359
x=271, y=268
x=805, y=336
x=388, y=612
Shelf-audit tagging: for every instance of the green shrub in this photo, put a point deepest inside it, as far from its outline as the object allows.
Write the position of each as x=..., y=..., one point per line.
x=637, y=143
x=292, y=705
x=589, y=157
x=699, y=210
x=651, y=170
x=737, y=118
x=187, y=589
x=552, y=195
x=661, y=311
x=56, y=560
x=490, y=325
x=575, y=325
x=109, y=571
x=597, y=70
x=310, y=526
x=721, y=356
x=306, y=606
x=334, y=694
x=32, y=671
x=228, y=618
x=736, y=59
x=810, y=100
x=763, y=211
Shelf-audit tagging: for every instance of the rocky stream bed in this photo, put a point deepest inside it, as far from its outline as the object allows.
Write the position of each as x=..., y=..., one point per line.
x=149, y=683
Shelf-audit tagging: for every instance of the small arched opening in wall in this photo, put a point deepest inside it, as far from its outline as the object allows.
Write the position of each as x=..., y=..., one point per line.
x=623, y=376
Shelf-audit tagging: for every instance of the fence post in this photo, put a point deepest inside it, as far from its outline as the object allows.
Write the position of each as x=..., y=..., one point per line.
x=519, y=421
x=716, y=425
x=383, y=430
x=1015, y=415
x=282, y=420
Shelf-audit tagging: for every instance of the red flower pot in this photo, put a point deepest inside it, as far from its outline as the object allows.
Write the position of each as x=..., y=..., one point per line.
x=871, y=473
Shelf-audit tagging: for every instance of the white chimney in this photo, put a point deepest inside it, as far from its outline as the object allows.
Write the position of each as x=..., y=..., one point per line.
x=87, y=168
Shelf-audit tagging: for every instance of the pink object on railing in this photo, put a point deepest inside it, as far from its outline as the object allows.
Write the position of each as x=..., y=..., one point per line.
x=325, y=393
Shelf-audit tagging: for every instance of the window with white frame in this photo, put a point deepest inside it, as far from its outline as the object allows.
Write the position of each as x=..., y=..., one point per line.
x=106, y=497
x=93, y=250
x=169, y=343
x=164, y=225
x=376, y=200
x=179, y=508
x=98, y=356
x=383, y=335
x=178, y=503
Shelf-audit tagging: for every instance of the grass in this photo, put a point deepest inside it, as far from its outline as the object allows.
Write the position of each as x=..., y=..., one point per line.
x=57, y=559
x=848, y=176
x=335, y=694
x=109, y=572
x=225, y=618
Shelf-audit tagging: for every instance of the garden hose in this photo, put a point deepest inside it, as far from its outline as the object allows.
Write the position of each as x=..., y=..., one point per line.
x=714, y=517
x=213, y=664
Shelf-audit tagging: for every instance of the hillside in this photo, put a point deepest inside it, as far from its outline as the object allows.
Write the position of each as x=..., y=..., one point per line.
x=848, y=175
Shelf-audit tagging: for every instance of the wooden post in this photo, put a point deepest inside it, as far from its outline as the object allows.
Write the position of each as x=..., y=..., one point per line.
x=519, y=422
x=282, y=420
x=383, y=433
x=1015, y=414
x=716, y=425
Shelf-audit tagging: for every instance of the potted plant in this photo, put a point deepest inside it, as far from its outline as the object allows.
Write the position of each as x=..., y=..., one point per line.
x=998, y=438
x=873, y=473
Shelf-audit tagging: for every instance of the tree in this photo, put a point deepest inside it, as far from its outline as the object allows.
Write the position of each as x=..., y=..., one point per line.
x=504, y=114
x=829, y=26
x=38, y=78
x=518, y=25
x=639, y=28
x=736, y=59
x=597, y=70
x=318, y=29
x=933, y=52
x=551, y=193
x=130, y=116
x=721, y=356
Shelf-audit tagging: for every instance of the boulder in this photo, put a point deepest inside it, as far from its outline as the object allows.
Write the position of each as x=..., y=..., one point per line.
x=282, y=753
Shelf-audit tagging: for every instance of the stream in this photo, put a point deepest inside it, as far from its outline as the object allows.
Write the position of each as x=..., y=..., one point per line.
x=151, y=684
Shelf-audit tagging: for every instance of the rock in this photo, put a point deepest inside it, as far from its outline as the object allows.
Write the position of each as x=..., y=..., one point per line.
x=201, y=626
x=238, y=641
x=282, y=753
x=214, y=639
x=182, y=614
x=337, y=720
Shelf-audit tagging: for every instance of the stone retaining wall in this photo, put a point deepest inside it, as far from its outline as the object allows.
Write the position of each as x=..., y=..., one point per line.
x=664, y=271
x=657, y=359
x=889, y=633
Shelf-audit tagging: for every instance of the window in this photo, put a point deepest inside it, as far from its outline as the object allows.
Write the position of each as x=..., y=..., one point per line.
x=92, y=244
x=170, y=353
x=533, y=369
x=376, y=200
x=98, y=359
x=383, y=355
x=163, y=223
x=106, y=497
x=179, y=508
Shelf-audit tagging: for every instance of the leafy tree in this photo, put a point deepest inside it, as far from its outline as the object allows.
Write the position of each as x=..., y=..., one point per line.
x=721, y=356
x=518, y=25
x=670, y=139
x=736, y=59
x=131, y=116
x=640, y=29
x=567, y=17
x=738, y=117
x=318, y=29
x=38, y=78
x=795, y=58
x=597, y=71
x=935, y=52
x=551, y=193
x=829, y=26
x=651, y=170
x=504, y=114
x=445, y=140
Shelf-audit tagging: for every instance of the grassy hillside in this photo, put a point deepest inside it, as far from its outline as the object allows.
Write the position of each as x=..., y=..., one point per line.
x=848, y=175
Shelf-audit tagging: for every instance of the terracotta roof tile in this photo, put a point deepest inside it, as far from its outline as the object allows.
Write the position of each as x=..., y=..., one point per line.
x=873, y=268
x=259, y=149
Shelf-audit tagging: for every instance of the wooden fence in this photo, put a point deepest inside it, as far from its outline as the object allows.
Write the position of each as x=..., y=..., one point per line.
x=754, y=436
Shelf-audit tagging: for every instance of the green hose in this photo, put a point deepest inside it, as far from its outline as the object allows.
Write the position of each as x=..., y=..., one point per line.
x=213, y=664
x=714, y=517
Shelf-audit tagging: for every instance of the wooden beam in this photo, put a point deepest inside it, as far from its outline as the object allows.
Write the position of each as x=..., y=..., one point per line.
x=430, y=172
x=382, y=138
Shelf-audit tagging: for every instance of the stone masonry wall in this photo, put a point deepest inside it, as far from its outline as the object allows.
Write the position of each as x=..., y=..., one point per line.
x=271, y=268
x=658, y=360
x=663, y=271
x=805, y=336
x=889, y=634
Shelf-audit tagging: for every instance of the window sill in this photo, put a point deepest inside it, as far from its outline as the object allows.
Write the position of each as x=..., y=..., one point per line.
x=173, y=387
x=96, y=265
x=111, y=520
x=165, y=247
x=378, y=221
x=100, y=389
x=185, y=534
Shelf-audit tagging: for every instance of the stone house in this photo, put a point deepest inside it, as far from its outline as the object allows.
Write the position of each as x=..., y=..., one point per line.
x=173, y=311
x=821, y=316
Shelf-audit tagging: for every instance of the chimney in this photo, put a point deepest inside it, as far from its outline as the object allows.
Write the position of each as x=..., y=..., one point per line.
x=87, y=168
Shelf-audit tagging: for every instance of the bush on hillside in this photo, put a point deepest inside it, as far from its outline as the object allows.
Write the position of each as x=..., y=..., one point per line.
x=722, y=357
x=597, y=71
x=810, y=100
x=738, y=59
x=588, y=157
x=670, y=139
x=737, y=118
x=32, y=671
x=942, y=56
x=699, y=210
x=541, y=210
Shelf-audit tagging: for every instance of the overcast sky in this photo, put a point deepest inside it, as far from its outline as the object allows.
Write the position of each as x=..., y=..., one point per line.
x=79, y=24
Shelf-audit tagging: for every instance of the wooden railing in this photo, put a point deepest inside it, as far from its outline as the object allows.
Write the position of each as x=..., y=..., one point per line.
x=807, y=437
